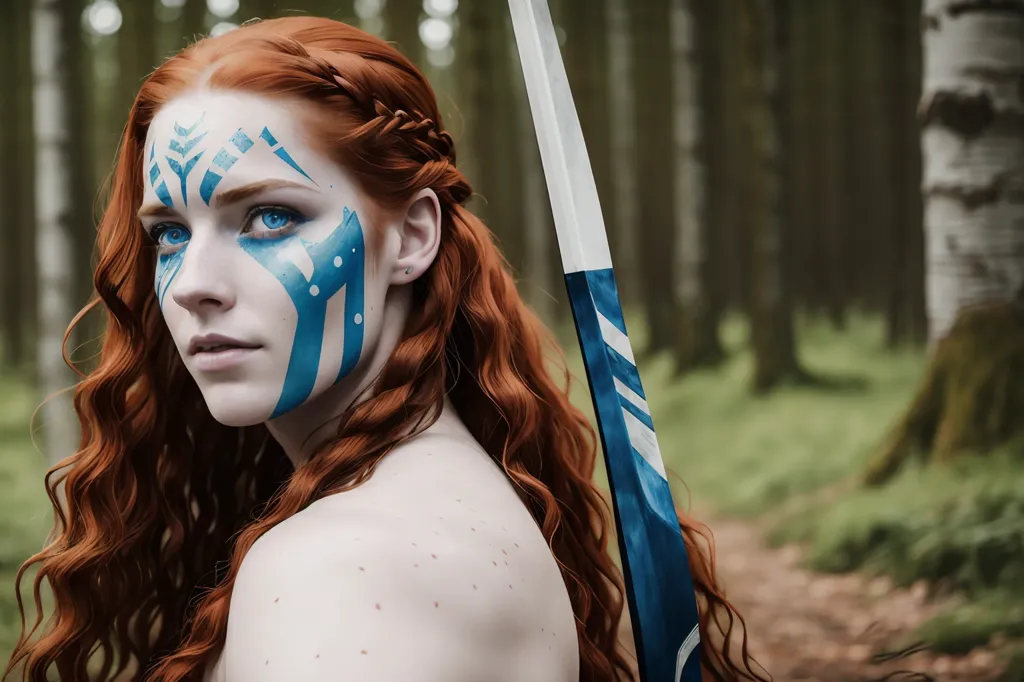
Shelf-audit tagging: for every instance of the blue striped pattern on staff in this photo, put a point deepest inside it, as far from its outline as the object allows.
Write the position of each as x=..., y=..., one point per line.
x=655, y=566
x=654, y=561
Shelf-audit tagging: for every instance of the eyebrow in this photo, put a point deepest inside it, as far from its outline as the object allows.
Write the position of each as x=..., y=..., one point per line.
x=225, y=198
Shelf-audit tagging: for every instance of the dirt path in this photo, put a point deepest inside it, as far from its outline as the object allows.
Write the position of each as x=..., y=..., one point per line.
x=810, y=627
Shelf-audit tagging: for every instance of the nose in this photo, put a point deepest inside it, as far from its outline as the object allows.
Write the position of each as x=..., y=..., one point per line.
x=202, y=283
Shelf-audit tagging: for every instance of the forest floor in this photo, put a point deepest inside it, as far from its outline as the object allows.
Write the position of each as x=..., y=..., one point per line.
x=835, y=579
x=805, y=626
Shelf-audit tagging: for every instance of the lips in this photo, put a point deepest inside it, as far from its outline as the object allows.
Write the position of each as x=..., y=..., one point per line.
x=217, y=343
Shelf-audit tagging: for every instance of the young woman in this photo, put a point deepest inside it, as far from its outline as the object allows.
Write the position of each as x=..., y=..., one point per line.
x=322, y=441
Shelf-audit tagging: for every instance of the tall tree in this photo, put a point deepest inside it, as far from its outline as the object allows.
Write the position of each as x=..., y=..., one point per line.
x=489, y=92
x=696, y=340
x=829, y=124
x=12, y=225
x=905, y=308
x=623, y=218
x=81, y=220
x=653, y=78
x=771, y=314
x=193, y=20
x=402, y=26
x=136, y=44
x=800, y=170
x=51, y=72
x=972, y=108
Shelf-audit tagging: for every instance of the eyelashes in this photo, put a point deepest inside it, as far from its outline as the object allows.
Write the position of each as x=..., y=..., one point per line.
x=261, y=222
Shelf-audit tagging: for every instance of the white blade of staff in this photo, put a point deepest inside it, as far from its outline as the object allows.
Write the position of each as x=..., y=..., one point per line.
x=658, y=583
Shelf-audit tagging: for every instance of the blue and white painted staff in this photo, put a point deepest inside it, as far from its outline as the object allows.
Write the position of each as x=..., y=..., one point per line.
x=659, y=587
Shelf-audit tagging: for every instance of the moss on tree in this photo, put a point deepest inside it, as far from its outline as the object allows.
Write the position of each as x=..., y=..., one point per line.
x=971, y=398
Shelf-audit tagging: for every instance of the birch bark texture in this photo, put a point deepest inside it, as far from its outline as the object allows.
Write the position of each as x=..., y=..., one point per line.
x=972, y=112
x=51, y=117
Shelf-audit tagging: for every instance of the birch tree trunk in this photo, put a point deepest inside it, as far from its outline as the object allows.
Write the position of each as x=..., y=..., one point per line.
x=972, y=114
x=622, y=136
x=53, y=195
x=697, y=342
x=771, y=314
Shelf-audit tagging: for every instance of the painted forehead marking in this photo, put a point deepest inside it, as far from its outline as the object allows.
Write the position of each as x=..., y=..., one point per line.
x=182, y=143
x=154, y=174
x=185, y=140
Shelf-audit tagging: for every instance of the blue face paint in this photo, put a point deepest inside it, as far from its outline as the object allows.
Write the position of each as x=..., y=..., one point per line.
x=168, y=264
x=281, y=153
x=338, y=261
x=224, y=160
x=154, y=174
x=182, y=144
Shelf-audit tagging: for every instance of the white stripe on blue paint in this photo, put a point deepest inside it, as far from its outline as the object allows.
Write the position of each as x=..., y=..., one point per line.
x=644, y=441
x=631, y=395
x=615, y=338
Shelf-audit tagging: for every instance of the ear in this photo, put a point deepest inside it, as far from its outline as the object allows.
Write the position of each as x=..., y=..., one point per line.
x=420, y=231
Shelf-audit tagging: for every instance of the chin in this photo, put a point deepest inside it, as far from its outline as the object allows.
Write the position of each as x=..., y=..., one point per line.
x=238, y=405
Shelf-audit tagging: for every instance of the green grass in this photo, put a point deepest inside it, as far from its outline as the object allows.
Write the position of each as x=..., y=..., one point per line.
x=25, y=512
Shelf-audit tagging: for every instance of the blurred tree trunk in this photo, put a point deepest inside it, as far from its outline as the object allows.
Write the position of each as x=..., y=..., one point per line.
x=771, y=315
x=623, y=219
x=800, y=171
x=734, y=157
x=868, y=195
x=489, y=90
x=906, y=320
x=402, y=26
x=263, y=9
x=653, y=78
x=830, y=125
x=80, y=88
x=136, y=48
x=15, y=230
x=51, y=72
x=972, y=109
x=193, y=21
x=696, y=339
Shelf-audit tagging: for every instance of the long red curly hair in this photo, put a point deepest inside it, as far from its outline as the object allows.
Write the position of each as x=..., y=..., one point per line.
x=163, y=502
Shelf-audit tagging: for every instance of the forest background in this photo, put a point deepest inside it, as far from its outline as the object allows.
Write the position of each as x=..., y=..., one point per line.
x=816, y=215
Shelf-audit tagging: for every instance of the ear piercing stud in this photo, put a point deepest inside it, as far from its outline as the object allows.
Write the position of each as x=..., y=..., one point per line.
x=408, y=270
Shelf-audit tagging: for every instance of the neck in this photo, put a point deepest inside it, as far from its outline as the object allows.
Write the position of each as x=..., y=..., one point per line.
x=301, y=431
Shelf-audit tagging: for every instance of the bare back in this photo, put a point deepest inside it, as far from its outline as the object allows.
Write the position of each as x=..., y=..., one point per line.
x=474, y=580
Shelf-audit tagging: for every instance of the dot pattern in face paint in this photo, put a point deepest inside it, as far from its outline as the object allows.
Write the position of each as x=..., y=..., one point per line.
x=310, y=298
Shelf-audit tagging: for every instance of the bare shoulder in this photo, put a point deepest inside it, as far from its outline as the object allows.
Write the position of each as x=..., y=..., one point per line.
x=429, y=571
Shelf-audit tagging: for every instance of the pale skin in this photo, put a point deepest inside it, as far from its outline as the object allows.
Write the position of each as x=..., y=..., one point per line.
x=433, y=569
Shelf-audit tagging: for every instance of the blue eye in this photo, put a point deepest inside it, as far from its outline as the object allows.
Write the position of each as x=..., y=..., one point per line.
x=170, y=236
x=268, y=221
x=275, y=219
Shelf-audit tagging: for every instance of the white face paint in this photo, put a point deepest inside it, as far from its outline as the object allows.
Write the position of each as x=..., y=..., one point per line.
x=262, y=275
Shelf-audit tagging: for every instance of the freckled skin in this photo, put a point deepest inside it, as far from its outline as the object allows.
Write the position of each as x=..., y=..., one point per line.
x=446, y=602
